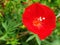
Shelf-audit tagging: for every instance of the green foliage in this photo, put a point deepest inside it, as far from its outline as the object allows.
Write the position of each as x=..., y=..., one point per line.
x=13, y=32
x=38, y=40
x=30, y=38
x=56, y=42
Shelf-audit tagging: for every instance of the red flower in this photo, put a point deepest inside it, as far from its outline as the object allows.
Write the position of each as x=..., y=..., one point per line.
x=39, y=19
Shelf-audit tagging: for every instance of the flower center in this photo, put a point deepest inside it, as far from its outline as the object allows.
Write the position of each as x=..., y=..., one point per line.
x=37, y=21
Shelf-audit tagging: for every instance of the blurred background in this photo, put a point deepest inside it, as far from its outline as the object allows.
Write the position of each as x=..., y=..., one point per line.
x=13, y=32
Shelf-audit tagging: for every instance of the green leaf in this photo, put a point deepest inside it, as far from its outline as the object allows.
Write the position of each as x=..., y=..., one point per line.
x=24, y=43
x=58, y=24
x=58, y=2
x=30, y=38
x=56, y=42
x=3, y=37
x=1, y=32
x=4, y=25
x=38, y=40
x=58, y=15
x=35, y=0
x=13, y=42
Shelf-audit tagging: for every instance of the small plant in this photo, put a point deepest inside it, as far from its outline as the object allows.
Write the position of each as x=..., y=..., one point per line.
x=14, y=32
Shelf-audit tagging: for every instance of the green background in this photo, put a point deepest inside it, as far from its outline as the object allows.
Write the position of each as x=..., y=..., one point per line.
x=13, y=32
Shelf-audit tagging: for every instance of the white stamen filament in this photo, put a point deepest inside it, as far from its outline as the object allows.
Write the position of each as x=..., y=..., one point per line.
x=41, y=19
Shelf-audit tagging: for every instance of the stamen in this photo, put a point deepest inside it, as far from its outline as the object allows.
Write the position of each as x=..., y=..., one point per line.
x=40, y=18
x=37, y=21
x=43, y=18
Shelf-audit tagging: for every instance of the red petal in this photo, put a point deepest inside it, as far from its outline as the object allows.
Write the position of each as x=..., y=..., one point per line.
x=45, y=34
x=37, y=11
